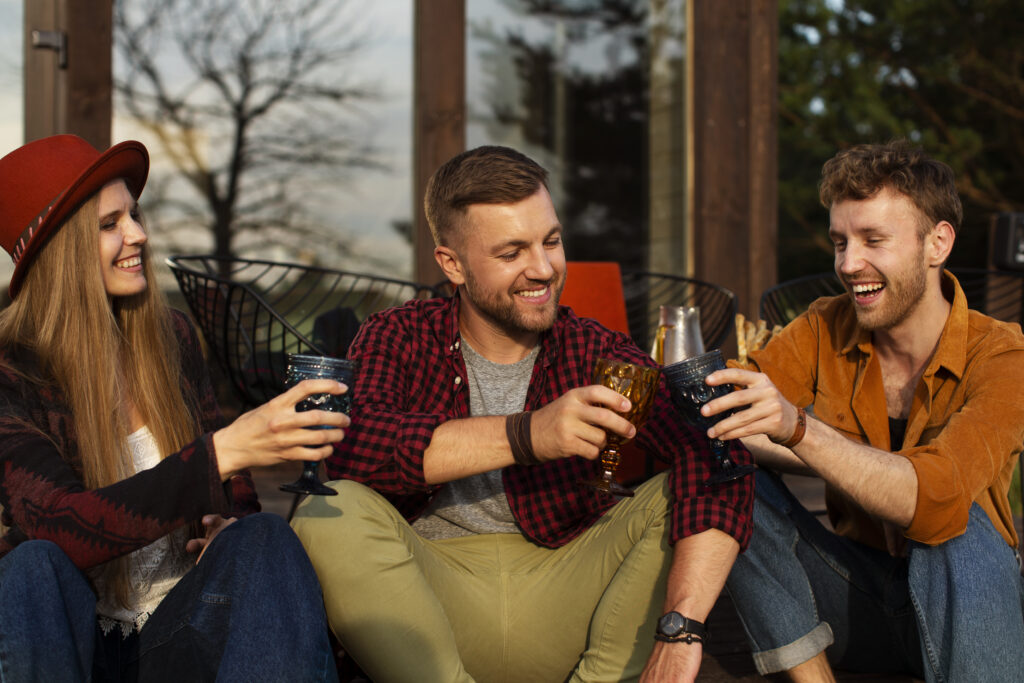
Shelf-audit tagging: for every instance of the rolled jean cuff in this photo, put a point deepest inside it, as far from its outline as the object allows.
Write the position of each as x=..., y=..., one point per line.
x=799, y=651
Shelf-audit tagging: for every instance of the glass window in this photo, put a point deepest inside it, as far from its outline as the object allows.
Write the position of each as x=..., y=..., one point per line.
x=12, y=131
x=593, y=90
x=327, y=165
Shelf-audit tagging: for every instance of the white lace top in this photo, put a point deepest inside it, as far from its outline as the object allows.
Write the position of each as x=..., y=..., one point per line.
x=154, y=569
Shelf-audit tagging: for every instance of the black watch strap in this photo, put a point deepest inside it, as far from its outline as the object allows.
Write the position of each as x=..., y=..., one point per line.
x=673, y=627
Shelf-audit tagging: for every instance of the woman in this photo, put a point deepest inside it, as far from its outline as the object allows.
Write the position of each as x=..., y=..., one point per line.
x=113, y=458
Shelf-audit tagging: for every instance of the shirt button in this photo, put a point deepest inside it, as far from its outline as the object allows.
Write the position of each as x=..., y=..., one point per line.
x=456, y=344
x=458, y=381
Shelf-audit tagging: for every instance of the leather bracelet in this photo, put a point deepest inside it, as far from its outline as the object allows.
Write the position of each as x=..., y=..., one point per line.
x=798, y=432
x=517, y=431
x=688, y=638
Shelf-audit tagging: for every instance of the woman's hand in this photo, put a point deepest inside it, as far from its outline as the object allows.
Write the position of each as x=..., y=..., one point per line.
x=214, y=525
x=275, y=433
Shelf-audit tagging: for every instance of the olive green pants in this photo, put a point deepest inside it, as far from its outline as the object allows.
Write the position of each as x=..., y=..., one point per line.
x=491, y=607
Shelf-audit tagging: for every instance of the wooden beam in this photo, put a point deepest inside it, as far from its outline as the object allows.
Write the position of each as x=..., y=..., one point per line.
x=732, y=165
x=439, y=110
x=68, y=69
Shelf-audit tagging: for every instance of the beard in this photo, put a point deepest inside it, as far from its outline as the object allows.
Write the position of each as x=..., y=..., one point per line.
x=501, y=309
x=902, y=294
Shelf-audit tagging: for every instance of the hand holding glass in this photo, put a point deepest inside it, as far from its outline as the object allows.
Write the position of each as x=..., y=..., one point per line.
x=639, y=384
x=690, y=391
x=302, y=367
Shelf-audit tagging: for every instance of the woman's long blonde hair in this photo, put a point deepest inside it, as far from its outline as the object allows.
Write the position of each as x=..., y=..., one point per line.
x=104, y=355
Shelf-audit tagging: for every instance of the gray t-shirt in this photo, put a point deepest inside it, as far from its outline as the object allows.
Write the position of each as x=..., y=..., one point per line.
x=477, y=504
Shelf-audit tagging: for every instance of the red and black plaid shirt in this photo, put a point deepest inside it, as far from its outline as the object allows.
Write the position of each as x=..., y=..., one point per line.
x=411, y=378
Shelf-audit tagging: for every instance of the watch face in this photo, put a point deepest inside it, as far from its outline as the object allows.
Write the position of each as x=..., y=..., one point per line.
x=671, y=624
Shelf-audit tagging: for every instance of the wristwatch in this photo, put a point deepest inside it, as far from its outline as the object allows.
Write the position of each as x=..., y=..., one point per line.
x=675, y=628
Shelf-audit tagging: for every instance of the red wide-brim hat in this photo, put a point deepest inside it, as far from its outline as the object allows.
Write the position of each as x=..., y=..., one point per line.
x=45, y=181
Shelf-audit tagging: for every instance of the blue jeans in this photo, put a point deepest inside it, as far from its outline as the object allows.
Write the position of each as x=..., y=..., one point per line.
x=250, y=610
x=950, y=612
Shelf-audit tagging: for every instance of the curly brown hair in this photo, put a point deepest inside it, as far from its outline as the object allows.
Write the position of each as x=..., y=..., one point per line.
x=861, y=171
x=484, y=175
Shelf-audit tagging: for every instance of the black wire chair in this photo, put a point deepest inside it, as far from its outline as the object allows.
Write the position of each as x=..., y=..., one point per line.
x=253, y=313
x=785, y=301
x=645, y=292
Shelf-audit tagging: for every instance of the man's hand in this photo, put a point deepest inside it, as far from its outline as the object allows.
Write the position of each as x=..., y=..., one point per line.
x=673, y=662
x=895, y=541
x=214, y=525
x=760, y=407
x=575, y=423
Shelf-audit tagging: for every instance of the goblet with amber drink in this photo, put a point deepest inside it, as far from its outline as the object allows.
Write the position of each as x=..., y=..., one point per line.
x=639, y=384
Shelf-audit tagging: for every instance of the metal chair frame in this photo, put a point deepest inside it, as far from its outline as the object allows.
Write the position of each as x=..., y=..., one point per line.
x=252, y=313
x=646, y=291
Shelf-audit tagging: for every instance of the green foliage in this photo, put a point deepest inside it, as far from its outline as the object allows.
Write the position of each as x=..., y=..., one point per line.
x=946, y=74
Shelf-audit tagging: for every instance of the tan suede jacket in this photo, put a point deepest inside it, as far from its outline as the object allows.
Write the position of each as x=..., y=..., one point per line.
x=966, y=424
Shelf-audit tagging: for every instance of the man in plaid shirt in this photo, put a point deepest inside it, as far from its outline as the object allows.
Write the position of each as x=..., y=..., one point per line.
x=461, y=545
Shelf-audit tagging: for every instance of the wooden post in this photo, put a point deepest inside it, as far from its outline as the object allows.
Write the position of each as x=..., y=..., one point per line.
x=439, y=110
x=732, y=161
x=68, y=72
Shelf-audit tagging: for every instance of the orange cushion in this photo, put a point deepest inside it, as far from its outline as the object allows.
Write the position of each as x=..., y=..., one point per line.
x=593, y=289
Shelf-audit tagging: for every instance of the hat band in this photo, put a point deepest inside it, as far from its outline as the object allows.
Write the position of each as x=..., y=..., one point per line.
x=26, y=235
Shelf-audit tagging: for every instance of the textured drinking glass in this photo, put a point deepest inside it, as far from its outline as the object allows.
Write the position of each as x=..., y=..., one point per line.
x=302, y=367
x=639, y=384
x=689, y=393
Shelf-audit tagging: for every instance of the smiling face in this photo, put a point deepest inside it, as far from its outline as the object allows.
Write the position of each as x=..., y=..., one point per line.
x=121, y=239
x=882, y=257
x=510, y=264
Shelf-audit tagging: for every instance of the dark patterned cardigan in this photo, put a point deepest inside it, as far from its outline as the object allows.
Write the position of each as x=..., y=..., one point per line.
x=41, y=487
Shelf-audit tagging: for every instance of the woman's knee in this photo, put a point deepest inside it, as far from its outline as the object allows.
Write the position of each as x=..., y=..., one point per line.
x=39, y=563
x=37, y=574
x=265, y=534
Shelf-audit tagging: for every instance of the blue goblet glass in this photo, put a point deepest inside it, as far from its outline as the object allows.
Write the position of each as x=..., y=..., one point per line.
x=690, y=391
x=300, y=367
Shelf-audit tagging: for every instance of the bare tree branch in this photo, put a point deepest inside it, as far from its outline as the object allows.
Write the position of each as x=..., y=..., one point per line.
x=249, y=100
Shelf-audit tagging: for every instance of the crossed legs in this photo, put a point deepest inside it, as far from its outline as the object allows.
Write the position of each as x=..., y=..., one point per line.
x=490, y=607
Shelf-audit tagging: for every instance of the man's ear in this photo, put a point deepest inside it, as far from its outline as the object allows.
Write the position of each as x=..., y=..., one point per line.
x=450, y=264
x=939, y=243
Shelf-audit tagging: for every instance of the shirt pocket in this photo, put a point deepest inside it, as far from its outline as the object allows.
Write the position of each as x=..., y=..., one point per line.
x=838, y=414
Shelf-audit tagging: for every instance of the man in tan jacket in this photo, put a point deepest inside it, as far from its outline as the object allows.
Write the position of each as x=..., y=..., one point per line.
x=918, y=420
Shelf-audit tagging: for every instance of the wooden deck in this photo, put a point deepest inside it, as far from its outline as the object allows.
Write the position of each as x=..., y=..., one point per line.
x=727, y=657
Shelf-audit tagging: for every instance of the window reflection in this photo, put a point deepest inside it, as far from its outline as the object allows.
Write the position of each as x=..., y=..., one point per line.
x=12, y=133
x=327, y=166
x=593, y=90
